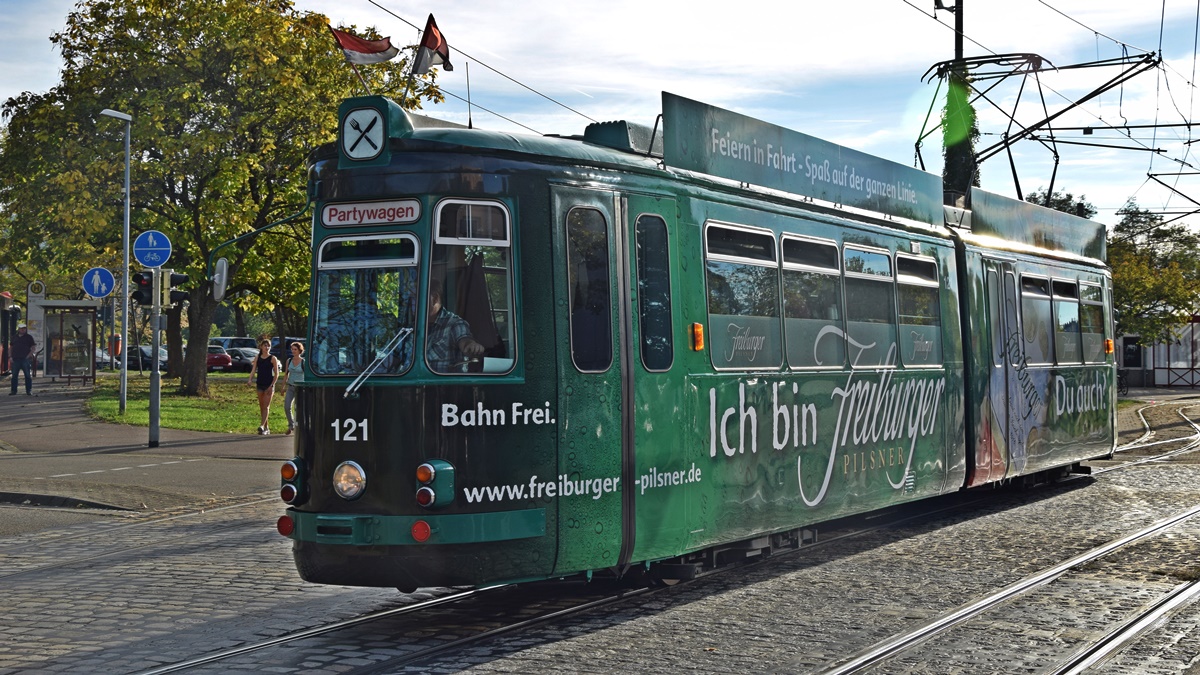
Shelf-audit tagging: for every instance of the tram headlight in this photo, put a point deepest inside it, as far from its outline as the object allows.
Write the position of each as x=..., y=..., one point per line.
x=349, y=480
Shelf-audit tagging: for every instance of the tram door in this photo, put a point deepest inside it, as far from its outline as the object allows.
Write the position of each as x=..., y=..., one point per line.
x=589, y=330
x=1006, y=453
x=663, y=507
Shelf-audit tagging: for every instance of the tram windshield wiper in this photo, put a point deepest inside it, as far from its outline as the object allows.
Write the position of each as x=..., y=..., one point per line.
x=392, y=345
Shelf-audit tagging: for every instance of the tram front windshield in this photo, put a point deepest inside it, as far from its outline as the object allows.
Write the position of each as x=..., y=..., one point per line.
x=366, y=303
x=368, y=313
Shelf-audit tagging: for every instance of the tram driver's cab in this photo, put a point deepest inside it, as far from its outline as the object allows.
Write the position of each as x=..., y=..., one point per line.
x=369, y=314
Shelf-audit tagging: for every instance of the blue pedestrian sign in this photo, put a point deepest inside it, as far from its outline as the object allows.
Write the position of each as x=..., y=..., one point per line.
x=152, y=248
x=98, y=282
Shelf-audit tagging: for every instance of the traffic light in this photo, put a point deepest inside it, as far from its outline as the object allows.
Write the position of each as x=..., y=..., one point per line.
x=169, y=281
x=142, y=284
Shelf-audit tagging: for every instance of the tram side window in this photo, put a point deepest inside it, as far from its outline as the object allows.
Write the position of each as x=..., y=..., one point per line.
x=1091, y=323
x=589, y=290
x=920, y=311
x=366, y=305
x=654, y=293
x=470, y=328
x=812, y=302
x=870, y=307
x=742, y=272
x=1066, y=322
x=1037, y=322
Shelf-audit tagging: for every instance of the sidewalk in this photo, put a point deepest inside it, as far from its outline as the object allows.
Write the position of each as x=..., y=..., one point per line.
x=53, y=420
x=52, y=453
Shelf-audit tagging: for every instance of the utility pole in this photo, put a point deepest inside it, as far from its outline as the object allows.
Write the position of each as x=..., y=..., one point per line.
x=155, y=345
x=960, y=170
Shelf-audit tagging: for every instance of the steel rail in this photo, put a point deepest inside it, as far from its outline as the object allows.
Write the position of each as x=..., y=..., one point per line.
x=314, y=631
x=1101, y=650
x=887, y=649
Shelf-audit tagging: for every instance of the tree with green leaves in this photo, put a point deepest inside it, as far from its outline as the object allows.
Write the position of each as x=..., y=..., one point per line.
x=1062, y=201
x=228, y=97
x=1156, y=273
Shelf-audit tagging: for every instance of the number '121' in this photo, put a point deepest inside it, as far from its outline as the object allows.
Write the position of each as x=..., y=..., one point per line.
x=347, y=430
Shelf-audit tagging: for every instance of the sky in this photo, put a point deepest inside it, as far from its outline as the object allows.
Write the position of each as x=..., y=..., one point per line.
x=849, y=73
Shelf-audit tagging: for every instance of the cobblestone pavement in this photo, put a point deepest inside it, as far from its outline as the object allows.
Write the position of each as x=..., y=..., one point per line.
x=124, y=597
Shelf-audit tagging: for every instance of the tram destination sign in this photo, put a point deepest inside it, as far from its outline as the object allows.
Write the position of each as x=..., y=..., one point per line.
x=394, y=212
x=706, y=139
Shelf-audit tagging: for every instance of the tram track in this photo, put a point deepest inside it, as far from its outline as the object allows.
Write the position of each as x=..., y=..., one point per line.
x=889, y=649
x=464, y=629
x=1097, y=650
x=465, y=632
x=1148, y=433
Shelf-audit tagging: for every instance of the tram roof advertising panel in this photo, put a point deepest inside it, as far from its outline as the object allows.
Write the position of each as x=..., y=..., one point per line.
x=706, y=139
x=1024, y=223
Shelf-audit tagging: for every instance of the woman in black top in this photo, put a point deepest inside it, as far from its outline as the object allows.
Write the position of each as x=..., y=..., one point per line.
x=263, y=375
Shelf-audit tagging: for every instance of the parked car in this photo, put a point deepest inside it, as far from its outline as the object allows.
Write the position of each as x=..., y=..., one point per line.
x=229, y=343
x=218, y=359
x=103, y=360
x=145, y=360
x=242, y=358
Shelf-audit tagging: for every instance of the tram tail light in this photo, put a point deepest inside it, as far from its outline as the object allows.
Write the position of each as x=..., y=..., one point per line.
x=285, y=525
x=426, y=496
x=697, y=330
x=435, y=484
x=292, y=488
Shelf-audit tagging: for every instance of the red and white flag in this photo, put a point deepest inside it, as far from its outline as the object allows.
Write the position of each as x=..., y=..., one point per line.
x=433, y=50
x=360, y=51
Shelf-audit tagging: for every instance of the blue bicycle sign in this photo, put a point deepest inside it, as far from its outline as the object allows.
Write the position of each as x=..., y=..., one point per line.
x=152, y=248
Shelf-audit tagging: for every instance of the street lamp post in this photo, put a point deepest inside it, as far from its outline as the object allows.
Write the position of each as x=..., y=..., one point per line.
x=125, y=278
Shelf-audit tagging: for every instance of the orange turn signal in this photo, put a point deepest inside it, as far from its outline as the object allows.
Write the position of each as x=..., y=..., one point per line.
x=288, y=471
x=697, y=337
x=1108, y=346
x=425, y=473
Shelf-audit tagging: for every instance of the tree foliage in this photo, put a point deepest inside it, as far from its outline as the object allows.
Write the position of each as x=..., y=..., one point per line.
x=1062, y=201
x=1156, y=270
x=227, y=98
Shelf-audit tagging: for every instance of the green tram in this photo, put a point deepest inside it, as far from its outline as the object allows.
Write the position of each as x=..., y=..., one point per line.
x=652, y=350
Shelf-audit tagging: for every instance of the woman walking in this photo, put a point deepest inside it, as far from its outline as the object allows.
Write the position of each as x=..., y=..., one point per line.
x=263, y=375
x=292, y=374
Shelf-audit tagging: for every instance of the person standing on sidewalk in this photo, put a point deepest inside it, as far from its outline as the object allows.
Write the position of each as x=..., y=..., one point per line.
x=293, y=373
x=22, y=356
x=263, y=375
